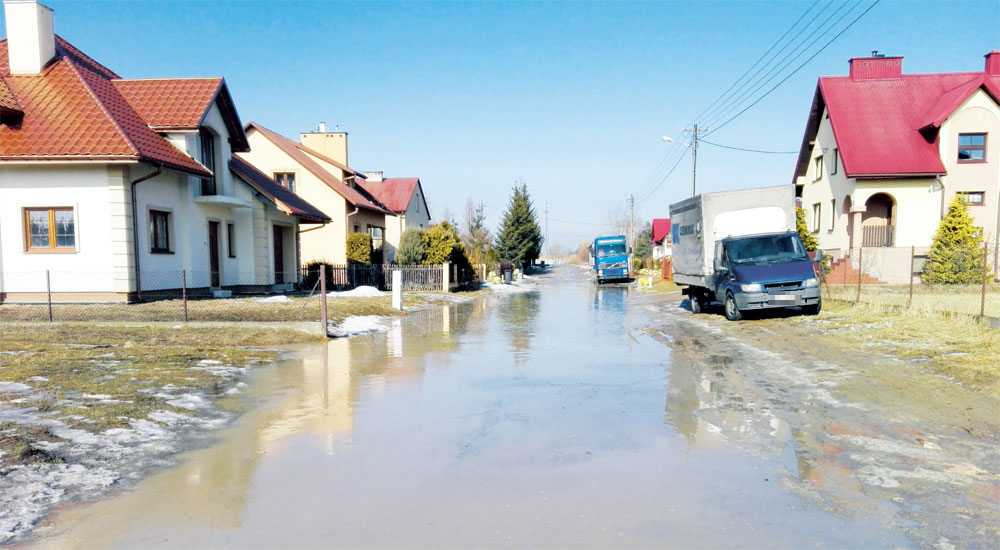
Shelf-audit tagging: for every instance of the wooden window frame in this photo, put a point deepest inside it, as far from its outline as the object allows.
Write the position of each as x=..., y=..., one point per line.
x=833, y=214
x=835, y=155
x=209, y=185
x=231, y=239
x=965, y=199
x=817, y=216
x=818, y=163
x=972, y=148
x=52, y=248
x=282, y=179
x=153, y=214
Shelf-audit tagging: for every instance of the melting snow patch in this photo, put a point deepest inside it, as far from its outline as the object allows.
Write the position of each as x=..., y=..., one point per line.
x=14, y=387
x=37, y=379
x=280, y=299
x=359, y=324
x=359, y=292
x=190, y=401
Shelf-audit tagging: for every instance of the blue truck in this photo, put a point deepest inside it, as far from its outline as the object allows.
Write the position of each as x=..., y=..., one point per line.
x=740, y=249
x=611, y=260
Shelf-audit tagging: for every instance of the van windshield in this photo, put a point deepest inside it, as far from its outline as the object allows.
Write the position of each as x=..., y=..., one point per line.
x=772, y=249
x=605, y=250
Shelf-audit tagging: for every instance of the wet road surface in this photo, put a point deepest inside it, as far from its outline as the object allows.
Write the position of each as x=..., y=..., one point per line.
x=539, y=419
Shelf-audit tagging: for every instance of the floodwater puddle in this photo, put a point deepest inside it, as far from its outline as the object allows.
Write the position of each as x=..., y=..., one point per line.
x=531, y=419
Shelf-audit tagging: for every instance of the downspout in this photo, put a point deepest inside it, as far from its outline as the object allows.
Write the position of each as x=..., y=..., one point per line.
x=135, y=226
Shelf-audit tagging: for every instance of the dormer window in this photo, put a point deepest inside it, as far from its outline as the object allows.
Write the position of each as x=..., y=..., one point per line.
x=971, y=147
x=208, y=160
x=286, y=180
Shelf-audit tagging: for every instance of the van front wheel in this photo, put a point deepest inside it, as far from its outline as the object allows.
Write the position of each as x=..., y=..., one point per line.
x=732, y=312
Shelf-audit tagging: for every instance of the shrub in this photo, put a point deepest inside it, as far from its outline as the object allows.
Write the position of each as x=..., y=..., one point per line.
x=411, y=248
x=808, y=240
x=312, y=275
x=442, y=244
x=956, y=256
x=636, y=264
x=359, y=248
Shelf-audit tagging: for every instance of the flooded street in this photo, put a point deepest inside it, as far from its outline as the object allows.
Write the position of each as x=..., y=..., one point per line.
x=553, y=418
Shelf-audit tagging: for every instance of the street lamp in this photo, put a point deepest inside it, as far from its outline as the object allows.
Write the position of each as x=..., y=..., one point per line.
x=694, y=153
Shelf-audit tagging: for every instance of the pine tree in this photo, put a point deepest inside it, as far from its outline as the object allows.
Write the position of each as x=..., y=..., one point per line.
x=956, y=256
x=476, y=237
x=411, y=248
x=643, y=245
x=519, y=239
x=808, y=240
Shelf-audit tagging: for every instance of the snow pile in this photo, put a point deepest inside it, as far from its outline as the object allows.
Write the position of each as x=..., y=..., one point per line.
x=14, y=387
x=523, y=284
x=279, y=299
x=359, y=324
x=359, y=292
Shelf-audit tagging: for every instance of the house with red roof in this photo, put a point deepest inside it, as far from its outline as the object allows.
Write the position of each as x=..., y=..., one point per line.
x=119, y=186
x=660, y=237
x=316, y=168
x=885, y=152
x=404, y=197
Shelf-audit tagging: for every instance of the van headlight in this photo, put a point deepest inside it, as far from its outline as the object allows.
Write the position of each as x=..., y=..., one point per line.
x=751, y=287
x=810, y=282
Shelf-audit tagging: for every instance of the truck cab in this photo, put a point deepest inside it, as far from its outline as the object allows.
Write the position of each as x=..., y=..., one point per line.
x=754, y=272
x=611, y=259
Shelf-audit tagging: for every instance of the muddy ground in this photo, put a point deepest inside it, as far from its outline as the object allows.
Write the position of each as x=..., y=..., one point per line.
x=871, y=435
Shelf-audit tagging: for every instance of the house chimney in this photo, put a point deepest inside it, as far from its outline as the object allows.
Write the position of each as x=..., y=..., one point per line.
x=329, y=144
x=993, y=63
x=876, y=67
x=321, y=127
x=31, y=43
x=373, y=176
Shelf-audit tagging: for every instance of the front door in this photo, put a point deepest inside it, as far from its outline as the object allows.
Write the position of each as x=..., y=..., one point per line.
x=279, y=255
x=213, y=252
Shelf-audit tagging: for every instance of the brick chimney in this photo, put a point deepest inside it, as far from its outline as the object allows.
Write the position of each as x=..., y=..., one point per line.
x=876, y=67
x=330, y=144
x=993, y=63
x=31, y=43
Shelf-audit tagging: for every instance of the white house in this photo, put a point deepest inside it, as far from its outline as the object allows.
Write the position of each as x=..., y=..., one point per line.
x=885, y=152
x=120, y=187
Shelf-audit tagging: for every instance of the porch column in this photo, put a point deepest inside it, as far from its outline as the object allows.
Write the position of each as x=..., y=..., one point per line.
x=856, y=232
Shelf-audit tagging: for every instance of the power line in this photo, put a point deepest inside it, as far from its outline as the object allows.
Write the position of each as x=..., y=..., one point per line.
x=749, y=150
x=672, y=168
x=789, y=58
x=797, y=69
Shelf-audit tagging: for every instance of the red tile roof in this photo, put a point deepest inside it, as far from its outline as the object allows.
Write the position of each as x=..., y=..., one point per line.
x=661, y=228
x=75, y=111
x=283, y=198
x=357, y=197
x=395, y=193
x=887, y=127
x=170, y=102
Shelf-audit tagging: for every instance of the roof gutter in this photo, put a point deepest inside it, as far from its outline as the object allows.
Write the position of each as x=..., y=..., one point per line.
x=135, y=227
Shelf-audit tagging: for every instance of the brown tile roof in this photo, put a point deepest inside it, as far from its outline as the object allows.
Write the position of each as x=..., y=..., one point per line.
x=357, y=197
x=73, y=111
x=283, y=198
x=395, y=193
x=174, y=103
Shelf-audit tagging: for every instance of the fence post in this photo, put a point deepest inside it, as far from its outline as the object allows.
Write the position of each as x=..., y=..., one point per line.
x=397, y=289
x=48, y=292
x=861, y=272
x=445, y=276
x=322, y=296
x=184, y=293
x=913, y=253
x=986, y=271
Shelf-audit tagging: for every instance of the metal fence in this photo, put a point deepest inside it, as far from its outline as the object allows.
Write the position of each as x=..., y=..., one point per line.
x=192, y=295
x=900, y=278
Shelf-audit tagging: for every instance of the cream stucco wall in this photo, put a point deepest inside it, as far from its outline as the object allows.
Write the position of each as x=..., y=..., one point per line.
x=978, y=114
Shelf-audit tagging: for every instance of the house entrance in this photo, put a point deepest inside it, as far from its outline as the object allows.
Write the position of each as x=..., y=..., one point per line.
x=213, y=253
x=279, y=255
x=878, y=221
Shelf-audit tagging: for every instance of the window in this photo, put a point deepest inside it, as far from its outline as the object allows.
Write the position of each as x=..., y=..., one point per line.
x=973, y=198
x=208, y=159
x=833, y=213
x=819, y=167
x=376, y=233
x=286, y=180
x=231, y=238
x=834, y=156
x=50, y=229
x=817, y=211
x=971, y=147
x=159, y=232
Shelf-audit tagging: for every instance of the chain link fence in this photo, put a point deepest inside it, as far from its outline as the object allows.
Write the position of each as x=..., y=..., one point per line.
x=901, y=278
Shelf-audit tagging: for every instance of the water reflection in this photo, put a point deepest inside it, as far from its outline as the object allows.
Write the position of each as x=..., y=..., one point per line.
x=517, y=315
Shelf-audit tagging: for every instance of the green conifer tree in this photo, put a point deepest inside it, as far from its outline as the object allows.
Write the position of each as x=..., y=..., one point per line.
x=519, y=239
x=411, y=248
x=808, y=240
x=956, y=256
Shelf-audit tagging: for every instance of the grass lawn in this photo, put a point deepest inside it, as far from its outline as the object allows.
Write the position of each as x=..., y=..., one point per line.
x=964, y=299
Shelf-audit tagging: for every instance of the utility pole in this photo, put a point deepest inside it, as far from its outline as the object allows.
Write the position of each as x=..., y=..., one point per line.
x=694, y=158
x=631, y=220
x=547, y=249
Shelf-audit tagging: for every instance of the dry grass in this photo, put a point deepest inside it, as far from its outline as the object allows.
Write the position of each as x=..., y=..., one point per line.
x=963, y=299
x=955, y=345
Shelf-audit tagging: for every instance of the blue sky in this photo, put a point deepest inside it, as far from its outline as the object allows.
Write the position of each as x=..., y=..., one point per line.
x=571, y=96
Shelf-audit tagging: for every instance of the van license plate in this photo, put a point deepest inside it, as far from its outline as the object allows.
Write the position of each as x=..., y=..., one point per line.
x=783, y=299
